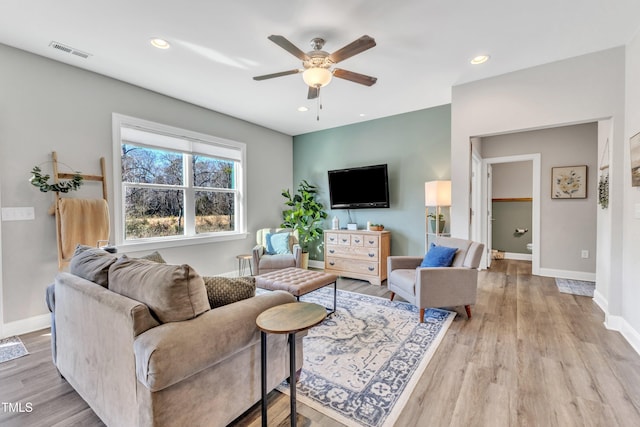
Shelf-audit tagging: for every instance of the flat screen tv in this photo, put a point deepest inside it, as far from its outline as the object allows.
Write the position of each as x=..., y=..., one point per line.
x=361, y=187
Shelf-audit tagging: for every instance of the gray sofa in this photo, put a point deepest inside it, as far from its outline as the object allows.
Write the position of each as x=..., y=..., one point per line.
x=138, y=341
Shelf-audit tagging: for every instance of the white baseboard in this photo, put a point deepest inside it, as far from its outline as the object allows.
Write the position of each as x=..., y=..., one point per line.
x=618, y=323
x=25, y=326
x=568, y=274
x=516, y=256
x=601, y=301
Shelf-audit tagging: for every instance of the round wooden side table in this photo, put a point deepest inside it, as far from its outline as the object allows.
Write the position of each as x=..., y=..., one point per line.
x=286, y=319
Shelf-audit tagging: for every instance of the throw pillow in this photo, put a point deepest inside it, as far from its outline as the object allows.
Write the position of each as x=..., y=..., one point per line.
x=226, y=290
x=92, y=264
x=155, y=257
x=278, y=243
x=439, y=256
x=172, y=292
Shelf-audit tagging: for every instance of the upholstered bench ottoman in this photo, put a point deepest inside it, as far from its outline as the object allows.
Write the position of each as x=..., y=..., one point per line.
x=298, y=281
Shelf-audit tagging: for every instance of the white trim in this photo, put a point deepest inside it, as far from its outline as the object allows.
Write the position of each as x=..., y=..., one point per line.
x=618, y=323
x=27, y=325
x=517, y=256
x=600, y=300
x=568, y=274
x=149, y=245
x=191, y=139
x=535, y=205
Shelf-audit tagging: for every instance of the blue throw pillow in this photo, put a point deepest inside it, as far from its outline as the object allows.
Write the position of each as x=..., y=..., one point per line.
x=278, y=243
x=439, y=256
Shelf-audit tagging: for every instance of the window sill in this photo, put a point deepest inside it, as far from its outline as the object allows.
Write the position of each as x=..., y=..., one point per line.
x=145, y=245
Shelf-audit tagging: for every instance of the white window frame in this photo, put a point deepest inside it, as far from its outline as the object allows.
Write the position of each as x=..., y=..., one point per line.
x=189, y=141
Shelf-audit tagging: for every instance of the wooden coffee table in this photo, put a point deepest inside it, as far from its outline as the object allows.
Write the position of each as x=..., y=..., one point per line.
x=286, y=319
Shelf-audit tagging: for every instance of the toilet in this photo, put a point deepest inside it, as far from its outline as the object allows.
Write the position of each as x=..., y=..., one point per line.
x=530, y=247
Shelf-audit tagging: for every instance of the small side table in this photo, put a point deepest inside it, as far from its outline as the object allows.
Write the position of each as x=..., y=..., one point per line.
x=243, y=261
x=286, y=319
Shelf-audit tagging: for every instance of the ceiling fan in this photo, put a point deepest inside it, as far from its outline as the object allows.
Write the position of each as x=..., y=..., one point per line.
x=317, y=63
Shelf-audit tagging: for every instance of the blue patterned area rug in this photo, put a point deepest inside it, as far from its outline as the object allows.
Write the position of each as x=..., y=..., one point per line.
x=576, y=287
x=11, y=348
x=362, y=363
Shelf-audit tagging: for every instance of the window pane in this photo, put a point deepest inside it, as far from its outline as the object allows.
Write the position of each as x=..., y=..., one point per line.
x=212, y=173
x=153, y=213
x=215, y=211
x=151, y=166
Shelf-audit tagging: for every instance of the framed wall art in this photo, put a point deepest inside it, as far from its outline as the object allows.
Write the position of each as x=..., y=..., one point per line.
x=634, y=147
x=569, y=182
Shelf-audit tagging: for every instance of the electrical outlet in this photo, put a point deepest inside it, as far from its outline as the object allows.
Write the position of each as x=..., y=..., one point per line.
x=585, y=253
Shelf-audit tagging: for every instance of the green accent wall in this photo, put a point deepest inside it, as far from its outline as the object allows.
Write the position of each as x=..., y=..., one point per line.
x=509, y=216
x=416, y=146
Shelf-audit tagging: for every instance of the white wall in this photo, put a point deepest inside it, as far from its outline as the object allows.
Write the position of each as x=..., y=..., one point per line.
x=45, y=106
x=584, y=89
x=631, y=238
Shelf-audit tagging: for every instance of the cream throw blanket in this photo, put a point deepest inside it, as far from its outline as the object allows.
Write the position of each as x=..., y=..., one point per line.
x=82, y=221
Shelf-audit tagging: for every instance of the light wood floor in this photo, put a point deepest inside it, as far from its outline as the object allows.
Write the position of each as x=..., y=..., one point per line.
x=530, y=356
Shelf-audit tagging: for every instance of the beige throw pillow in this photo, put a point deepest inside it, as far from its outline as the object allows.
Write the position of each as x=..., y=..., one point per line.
x=172, y=292
x=92, y=264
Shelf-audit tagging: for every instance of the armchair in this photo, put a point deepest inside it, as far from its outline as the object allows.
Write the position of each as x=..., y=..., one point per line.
x=265, y=262
x=437, y=286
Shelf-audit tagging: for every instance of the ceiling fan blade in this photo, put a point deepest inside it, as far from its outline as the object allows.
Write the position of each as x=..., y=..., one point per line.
x=313, y=92
x=289, y=47
x=355, y=77
x=280, y=74
x=353, y=48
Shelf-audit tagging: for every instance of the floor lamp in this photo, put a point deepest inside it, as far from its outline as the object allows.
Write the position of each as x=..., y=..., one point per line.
x=436, y=194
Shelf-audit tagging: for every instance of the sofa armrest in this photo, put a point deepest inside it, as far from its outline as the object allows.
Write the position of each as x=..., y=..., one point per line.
x=257, y=252
x=171, y=352
x=402, y=262
x=446, y=286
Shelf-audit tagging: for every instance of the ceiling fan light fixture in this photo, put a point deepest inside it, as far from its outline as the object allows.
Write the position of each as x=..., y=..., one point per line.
x=317, y=77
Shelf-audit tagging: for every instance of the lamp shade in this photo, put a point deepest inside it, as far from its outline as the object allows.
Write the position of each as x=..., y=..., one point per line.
x=437, y=193
x=316, y=76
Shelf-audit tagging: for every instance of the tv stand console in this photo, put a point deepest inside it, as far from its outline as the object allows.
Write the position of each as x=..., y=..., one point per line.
x=359, y=254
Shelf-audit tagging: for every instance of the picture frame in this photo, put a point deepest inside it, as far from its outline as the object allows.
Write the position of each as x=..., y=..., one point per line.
x=634, y=150
x=569, y=182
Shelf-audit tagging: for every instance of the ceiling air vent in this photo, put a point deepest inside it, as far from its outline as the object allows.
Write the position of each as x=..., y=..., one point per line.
x=69, y=49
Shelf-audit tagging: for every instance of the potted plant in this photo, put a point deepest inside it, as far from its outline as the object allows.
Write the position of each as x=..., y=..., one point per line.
x=305, y=215
x=437, y=222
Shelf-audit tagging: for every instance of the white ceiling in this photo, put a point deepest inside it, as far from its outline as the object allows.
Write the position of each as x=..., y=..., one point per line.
x=423, y=47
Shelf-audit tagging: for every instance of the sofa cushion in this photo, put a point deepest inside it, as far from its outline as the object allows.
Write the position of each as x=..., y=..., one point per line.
x=439, y=256
x=172, y=292
x=226, y=290
x=92, y=264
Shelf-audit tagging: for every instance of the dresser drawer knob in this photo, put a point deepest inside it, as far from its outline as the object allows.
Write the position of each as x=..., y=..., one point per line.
x=371, y=242
x=371, y=268
x=332, y=263
x=332, y=251
x=344, y=240
x=357, y=240
x=371, y=255
x=331, y=239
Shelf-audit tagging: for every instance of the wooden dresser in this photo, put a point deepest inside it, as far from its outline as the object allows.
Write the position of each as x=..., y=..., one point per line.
x=359, y=254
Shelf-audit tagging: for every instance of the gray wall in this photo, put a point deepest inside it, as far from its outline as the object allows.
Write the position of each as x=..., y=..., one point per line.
x=46, y=106
x=566, y=226
x=416, y=147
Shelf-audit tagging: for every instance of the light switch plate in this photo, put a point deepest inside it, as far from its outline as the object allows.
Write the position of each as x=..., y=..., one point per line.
x=636, y=213
x=18, y=214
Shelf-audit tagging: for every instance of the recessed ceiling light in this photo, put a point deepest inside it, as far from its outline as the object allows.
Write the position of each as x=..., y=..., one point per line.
x=480, y=59
x=303, y=109
x=160, y=43
x=362, y=114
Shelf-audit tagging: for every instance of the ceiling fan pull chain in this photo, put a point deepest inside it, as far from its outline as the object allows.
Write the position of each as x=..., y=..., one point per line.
x=318, y=106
